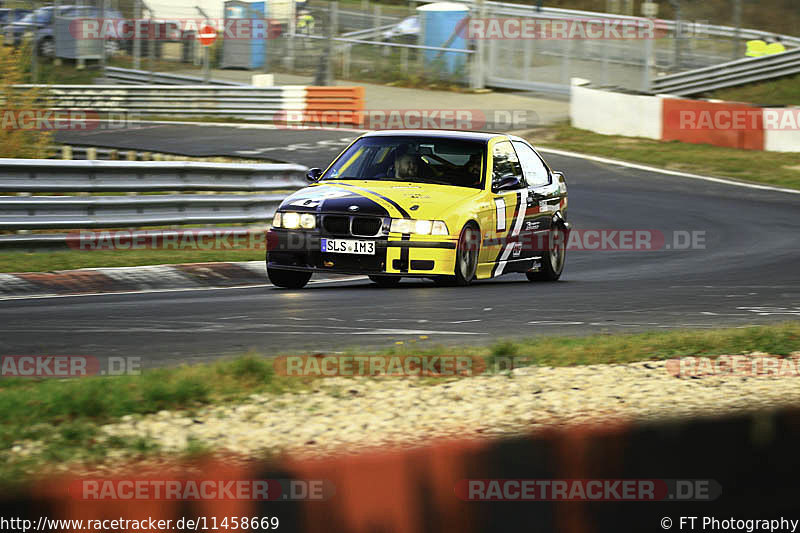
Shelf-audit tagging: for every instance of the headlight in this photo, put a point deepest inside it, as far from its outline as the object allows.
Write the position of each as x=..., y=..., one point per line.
x=293, y=220
x=308, y=221
x=420, y=227
x=439, y=228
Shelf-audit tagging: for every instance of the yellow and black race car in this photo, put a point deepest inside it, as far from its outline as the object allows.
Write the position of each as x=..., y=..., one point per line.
x=448, y=205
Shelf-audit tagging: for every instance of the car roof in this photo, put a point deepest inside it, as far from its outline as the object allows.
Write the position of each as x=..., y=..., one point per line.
x=441, y=134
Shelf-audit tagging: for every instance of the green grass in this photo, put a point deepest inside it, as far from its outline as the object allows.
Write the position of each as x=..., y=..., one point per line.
x=772, y=168
x=781, y=339
x=785, y=91
x=45, y=261
x=65, y=414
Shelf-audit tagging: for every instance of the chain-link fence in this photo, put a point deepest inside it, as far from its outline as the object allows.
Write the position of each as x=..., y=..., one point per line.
x=316, y=41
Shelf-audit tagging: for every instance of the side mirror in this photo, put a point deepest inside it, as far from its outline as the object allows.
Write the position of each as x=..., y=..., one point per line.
x=313, y=174
x=506, y=183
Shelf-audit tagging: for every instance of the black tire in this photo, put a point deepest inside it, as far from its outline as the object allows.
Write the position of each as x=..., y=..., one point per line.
x=554, y=258
x=467, y=255
x=386, y=281
x=47, y=48
x=288, y=279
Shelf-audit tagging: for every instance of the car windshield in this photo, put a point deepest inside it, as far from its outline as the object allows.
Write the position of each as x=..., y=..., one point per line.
x=412, y=159
x=40, y=16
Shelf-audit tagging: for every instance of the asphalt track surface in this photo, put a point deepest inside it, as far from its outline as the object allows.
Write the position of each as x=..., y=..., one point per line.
x=747, y=274
x=309, y=147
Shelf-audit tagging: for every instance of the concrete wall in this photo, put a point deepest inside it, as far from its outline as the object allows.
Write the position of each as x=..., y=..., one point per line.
x=667, y=118
x=612, y=113
x=782, y=129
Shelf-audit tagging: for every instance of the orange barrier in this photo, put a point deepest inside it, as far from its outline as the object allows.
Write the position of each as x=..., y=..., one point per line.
x=719, y=123
x=329, y=105
x=753, y=459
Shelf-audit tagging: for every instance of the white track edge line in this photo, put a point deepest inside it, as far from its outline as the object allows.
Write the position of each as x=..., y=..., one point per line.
x=183, y=289
x=648, y=168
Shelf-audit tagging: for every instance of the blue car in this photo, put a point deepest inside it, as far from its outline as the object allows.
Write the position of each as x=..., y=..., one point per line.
x=7, y=16
x=41, y=24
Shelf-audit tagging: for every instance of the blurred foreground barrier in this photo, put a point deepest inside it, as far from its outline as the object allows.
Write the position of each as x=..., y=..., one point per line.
x=666, y=117
x=740, y=467
x=245, y=102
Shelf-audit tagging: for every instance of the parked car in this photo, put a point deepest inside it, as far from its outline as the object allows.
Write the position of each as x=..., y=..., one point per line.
x=41, y=24
x=406, y=31
x=7, y=16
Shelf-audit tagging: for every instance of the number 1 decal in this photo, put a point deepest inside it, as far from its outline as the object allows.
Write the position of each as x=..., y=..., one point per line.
x=500, y=205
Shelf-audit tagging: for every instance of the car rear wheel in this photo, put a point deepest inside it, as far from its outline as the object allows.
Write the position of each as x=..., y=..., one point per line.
x=553, y=260
x=385, y=281
x=288, y=279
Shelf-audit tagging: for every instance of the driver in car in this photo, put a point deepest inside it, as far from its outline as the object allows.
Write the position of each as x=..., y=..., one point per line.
x=406, y=166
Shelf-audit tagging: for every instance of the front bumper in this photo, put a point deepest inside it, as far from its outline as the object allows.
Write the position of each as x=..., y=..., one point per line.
x=394, y=255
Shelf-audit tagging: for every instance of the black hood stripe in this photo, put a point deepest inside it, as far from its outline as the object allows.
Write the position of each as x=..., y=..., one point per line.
x=394, y=204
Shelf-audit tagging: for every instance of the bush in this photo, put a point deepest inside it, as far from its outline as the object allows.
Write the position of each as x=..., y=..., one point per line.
x=16, y=142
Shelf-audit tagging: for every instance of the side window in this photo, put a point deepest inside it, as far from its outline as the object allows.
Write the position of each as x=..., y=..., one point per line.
x=505, y=162
x=536, y=173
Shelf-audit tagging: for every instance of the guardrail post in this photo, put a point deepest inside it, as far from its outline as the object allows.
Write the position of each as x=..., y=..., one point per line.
x=66, y=152
x=91, y=153
x=648, y=59
x=421, y=42
x=137, y=41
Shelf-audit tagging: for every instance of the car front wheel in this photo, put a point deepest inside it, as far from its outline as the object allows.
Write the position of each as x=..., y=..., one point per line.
x=467, y=255
x=288, y=279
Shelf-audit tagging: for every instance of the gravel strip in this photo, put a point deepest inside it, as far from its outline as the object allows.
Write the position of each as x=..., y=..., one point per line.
x=343, y=414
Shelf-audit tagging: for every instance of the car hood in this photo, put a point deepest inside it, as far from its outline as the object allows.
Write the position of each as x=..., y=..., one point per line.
x=380, y=198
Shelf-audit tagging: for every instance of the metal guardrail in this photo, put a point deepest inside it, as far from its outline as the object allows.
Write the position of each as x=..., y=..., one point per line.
x=42, y=175
x=507, y=8
x=261, y=103
x=62, y=212
x=730, y=74
x=246, y=102
x=143, y=77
